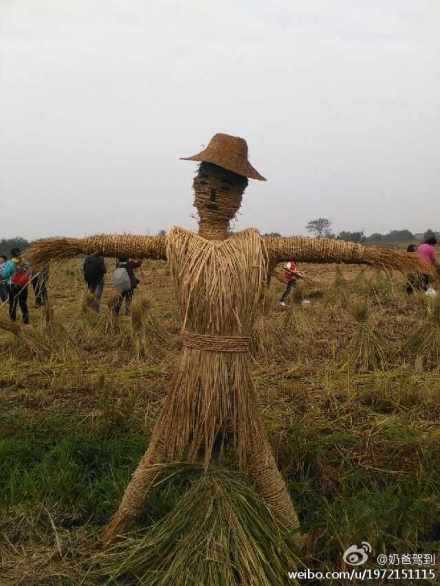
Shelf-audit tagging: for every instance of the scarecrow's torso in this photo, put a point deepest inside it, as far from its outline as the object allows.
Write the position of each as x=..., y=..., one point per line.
x=218, y=282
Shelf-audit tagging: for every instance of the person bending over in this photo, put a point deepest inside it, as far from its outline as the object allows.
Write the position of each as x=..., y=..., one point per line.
x=291, y=277
x=94, y=271
x=126, y=291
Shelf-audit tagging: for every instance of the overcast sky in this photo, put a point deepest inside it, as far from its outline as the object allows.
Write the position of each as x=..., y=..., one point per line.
x=339, y=101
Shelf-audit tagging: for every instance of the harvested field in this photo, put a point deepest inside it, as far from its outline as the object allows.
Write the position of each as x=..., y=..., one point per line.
x=349, y=394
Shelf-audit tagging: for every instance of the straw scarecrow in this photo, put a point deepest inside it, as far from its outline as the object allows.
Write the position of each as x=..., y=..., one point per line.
x=210, y=412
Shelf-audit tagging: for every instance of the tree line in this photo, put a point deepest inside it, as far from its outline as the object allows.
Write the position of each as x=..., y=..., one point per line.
x=7, y=244
x=322, y=228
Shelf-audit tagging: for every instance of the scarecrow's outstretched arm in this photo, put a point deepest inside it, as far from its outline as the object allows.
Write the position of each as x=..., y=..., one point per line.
x=327, y=250
x=115, y=245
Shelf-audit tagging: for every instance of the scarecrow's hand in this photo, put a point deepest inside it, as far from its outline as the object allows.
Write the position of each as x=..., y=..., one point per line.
x=116, y=245
x=328, y=250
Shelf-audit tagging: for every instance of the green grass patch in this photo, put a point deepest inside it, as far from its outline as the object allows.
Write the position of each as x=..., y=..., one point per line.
x=81, y=471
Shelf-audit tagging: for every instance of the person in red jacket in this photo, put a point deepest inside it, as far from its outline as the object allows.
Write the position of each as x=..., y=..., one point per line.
x=17, y=272
x=291, y=276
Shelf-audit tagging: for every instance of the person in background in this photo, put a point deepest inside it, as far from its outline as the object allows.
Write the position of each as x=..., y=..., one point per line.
x=39, y=284
x=291, y=276
x=127, y=295
x=427, y=254
x=4, y=290
x=413, y=279
x=94, y=270
x=16, y=272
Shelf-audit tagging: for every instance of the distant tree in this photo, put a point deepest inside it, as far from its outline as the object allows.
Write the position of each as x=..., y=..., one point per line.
x=391, y=237
x=375, y=237
x=399, y=236
x=162, y=233
x=429, y=234
x=8, y=243
x=321, y=227
x=352, y=236
x=272, y=234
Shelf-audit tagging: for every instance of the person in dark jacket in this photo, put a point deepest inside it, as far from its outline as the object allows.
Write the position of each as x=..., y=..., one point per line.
x=127, y=296
x=94, y=270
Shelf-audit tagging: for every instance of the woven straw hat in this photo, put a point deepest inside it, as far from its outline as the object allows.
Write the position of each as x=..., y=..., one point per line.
x=229, y=152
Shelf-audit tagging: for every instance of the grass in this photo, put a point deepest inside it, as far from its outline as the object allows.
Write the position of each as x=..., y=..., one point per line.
x=82, y=472
x=360, y=450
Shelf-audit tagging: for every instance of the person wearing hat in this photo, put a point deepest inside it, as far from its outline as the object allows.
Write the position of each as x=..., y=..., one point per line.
x=219, y=279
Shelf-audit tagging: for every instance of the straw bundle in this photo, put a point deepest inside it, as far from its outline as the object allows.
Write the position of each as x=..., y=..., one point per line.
x=53, y=329
x=88, y=307
x=425, y=339
x=221, y=534
x=366, y=348
x=30, y=340
x=211, y=407
x=148, y=338
x=340, y=281
x=337, y=296
x=296, y=320
x=328, y=250
x=110, y=322
x=116, y=245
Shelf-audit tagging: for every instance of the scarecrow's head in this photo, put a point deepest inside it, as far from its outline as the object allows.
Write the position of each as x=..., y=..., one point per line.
x=220, y=182
x=217, y=195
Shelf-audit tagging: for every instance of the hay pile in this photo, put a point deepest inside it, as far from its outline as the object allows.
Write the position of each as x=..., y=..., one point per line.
x=29, y=341
x=148, y=338
x=366, y=348
x=221, y=534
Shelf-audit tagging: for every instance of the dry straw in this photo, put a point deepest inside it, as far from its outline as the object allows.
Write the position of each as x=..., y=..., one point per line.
x=210, y=411
x=29, y=340
x=366, y=349
x=221, y=534
x=425, y=339
x=271, y=339
x=331, y=250
x=147, y=337
x=107, y=245
x=218, y=197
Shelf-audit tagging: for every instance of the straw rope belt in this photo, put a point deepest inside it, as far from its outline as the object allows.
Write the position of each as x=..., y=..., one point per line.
x=208, y=343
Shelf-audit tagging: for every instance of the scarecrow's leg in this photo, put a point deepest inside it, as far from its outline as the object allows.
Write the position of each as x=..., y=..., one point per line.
x=270, y=484
x=136, y=493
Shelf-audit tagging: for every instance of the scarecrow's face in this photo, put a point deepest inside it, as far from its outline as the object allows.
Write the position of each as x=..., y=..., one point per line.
x=218, y=194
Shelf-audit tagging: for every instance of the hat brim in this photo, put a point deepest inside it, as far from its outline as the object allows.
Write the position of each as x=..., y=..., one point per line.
x=243, y=169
